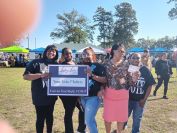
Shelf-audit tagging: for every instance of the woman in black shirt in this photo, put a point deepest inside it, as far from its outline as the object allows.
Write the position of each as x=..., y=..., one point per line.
x=36, y=71
x=163, y=71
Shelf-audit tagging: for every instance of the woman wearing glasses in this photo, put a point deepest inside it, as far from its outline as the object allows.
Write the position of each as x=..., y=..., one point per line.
x=116, y=93
x=97, y=77
x=139, y=92
x=70, y=102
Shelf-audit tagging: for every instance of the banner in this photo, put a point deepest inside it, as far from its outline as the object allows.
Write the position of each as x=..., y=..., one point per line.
x=68, y=80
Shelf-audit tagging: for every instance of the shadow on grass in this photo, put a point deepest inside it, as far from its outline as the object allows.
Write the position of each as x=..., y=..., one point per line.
x=159, y=98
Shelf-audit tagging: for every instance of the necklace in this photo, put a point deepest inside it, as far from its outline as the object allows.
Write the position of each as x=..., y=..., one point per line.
x=116, y=64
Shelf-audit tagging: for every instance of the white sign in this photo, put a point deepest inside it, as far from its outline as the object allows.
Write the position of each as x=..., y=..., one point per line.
x=69, y=70
x=68, y=82
x=133, y=68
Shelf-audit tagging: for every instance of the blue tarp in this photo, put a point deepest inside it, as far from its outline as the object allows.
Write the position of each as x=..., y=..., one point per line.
x=41, y=50
x=159, y=50
x=136, y=50
x=38, y=50
x=73, y=51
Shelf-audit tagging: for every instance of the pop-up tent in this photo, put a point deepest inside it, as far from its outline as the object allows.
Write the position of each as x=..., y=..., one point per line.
x=38, y=50
x=136, y=50
x=96, y=50
x=158, y=50
x=14, y=49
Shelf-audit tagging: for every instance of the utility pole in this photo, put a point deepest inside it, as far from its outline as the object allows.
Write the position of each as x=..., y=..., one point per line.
x=35, y=42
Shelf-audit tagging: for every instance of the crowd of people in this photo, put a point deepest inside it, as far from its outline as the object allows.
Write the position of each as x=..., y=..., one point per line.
x=123, y=88
x=13, y=60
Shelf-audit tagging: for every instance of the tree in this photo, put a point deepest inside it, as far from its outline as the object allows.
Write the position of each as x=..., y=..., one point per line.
x=166, y=42
x=73, y=28
x=126, y=24
x=145, y=43
x=104, y=22
x=173, y=12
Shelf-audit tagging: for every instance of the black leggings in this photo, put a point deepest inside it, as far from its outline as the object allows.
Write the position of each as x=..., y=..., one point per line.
x=44, y=113
x=160, y=81
x=69, y=103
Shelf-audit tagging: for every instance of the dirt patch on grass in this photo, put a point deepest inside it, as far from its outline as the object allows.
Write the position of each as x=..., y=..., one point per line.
x=173, y=116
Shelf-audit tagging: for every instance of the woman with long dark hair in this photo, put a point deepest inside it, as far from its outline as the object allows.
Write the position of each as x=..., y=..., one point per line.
x=116, y=93
x=36, y=71
x=97, y=78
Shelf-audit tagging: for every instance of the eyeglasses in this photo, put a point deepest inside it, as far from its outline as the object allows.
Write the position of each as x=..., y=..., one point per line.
x=122, y=51
x=135, y=58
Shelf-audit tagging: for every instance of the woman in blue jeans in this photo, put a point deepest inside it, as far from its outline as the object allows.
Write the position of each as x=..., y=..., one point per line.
x=97, y=78
x=139, y=92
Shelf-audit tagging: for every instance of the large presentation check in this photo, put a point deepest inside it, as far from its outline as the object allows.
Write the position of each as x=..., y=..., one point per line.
x=68, y=80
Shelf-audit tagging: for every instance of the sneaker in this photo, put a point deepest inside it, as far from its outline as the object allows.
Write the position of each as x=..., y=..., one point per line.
x=165, y=97
x=154, y=93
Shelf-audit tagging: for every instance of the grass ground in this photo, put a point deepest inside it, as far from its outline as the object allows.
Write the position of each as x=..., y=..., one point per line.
x=15, y=106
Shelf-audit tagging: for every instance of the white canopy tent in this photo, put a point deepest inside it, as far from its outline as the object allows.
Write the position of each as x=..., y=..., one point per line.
x=96, y=50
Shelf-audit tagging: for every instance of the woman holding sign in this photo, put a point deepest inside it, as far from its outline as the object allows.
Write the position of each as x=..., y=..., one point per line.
x=36, y=71
x=70, y=102
x=97, y=77
x=139, y=92
x=116, y=93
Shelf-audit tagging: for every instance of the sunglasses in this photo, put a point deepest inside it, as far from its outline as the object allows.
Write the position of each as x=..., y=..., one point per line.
x=135, y=58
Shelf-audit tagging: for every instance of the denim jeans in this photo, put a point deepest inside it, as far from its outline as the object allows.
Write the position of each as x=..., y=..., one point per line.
x=137, y=113
x=91, y=106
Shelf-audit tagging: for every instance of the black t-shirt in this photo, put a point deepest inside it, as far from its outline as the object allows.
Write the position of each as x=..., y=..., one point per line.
x=95, y=86
x=138, y=91
x=163, y=68
x=39, y=86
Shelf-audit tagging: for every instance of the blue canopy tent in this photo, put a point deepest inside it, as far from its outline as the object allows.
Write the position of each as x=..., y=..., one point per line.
x=41, y=50
x=73, y=50
x=156, y=50
x=38, y=50
x=135, y=50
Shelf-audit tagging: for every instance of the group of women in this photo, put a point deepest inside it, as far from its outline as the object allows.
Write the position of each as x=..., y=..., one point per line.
x=111, y=80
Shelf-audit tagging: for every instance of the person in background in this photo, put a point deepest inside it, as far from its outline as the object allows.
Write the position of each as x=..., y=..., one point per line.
x=163, y=70
x=146, y=60
x=97, y=77
x=116, y=93
x=36, y=71
x=62, y=59
x=11, y=60
x=70, y=102
x=139, y=92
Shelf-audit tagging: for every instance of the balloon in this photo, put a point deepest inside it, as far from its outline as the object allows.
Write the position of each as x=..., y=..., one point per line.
x=17, y=17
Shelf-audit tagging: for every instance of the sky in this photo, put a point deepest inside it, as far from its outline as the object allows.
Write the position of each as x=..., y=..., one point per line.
x=152, y=16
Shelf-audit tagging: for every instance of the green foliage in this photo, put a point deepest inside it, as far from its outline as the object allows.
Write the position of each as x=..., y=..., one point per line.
x=104, y=22
x=164, y=42
x=126, y=24
x=73, y=27
x=173, y=12
x=145, y=43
